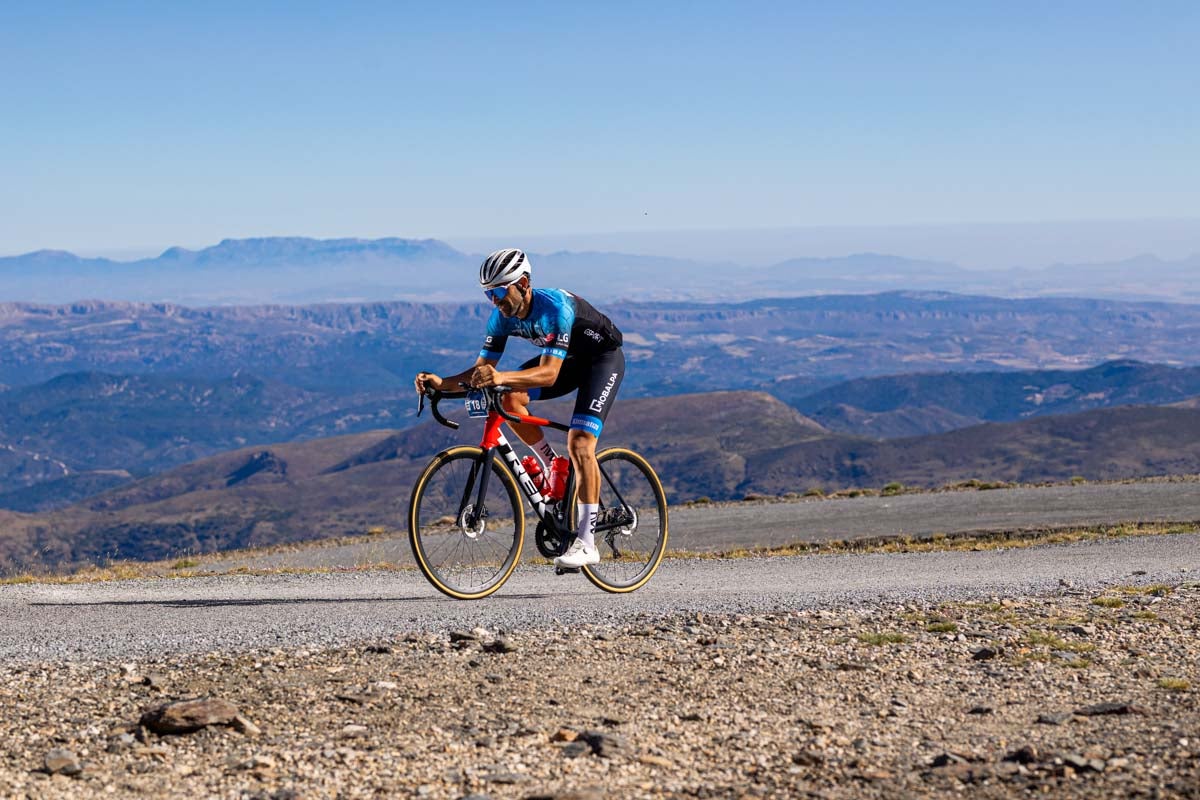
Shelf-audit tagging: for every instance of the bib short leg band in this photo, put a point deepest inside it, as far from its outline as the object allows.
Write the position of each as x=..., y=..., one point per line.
x=597, y=380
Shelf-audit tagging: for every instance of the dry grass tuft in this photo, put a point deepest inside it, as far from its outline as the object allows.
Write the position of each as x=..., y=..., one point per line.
x=882, y=638
x=1157, y=590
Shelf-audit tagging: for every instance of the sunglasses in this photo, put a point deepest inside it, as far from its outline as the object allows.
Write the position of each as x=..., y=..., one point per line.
x=497, y=292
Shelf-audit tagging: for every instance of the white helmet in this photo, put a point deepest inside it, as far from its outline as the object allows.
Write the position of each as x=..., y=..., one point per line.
x=503, y=267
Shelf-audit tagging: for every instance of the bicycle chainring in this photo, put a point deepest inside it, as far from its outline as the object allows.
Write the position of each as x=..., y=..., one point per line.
x=549, y=543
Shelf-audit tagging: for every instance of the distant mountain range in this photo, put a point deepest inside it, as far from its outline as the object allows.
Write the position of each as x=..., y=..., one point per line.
x=793, y=346
x=916, y=404
x=296, y=270
x=142, y=429
x=82, y=433
x=104, y=393
x=718, y=445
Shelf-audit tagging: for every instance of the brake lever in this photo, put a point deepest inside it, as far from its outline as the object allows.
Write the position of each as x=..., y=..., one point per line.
x=420, y=403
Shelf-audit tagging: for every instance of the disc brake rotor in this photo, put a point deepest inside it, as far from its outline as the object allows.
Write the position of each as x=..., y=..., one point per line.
x=471, y=531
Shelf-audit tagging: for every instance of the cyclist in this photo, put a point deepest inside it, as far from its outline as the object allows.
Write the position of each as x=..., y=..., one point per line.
x=581, y=350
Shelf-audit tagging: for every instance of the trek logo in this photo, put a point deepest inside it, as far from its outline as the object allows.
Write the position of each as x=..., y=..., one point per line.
x=527, y=484
x=593, y=334
x=597, y=405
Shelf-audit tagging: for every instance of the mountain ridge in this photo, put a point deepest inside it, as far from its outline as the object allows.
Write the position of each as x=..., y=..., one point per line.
x=348, y=485
x=297, y=269
x=915, y=403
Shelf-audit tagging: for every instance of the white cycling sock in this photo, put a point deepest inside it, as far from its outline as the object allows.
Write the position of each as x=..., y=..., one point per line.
x=585, y=522
x=546, y=449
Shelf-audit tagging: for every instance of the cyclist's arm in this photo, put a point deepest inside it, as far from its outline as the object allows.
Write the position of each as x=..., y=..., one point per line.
x=544, y=374
x=451, y=382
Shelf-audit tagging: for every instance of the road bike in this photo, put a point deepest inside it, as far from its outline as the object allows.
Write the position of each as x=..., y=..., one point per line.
x=466, y=521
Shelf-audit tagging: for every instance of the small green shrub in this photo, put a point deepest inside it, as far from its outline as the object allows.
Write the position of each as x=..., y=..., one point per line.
x=1155, y=589
x=941, y=627
x=1057, y=642
x=1174, y=684
x=1108, y=602
x=185, y=563
x=895, y=487
x=815, y=491
x=885, y=637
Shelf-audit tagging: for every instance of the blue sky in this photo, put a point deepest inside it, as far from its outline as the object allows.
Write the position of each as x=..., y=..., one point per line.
x=141, y=125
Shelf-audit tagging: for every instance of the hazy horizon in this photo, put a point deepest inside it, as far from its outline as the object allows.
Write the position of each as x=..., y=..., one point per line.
x=976, y=246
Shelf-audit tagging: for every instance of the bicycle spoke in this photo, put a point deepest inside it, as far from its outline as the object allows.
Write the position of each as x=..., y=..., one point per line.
x=632, y=523
x=466, y=551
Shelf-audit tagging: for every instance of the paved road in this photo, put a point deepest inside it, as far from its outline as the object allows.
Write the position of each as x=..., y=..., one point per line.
x=144, y=620
x=708, y=529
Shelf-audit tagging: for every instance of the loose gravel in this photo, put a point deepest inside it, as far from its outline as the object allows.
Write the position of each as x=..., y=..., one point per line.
x=1066, y=671
x=1077, y=694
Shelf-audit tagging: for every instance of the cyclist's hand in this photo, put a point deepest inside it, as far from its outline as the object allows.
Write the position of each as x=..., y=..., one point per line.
x=484, y=375
x=427, y=380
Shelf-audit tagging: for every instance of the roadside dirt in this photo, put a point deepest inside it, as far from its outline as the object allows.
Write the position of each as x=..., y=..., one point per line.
x=1078, y=695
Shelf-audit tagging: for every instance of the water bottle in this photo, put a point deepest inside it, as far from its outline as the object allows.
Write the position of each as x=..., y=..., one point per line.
x=559, y=467
x=534, y=468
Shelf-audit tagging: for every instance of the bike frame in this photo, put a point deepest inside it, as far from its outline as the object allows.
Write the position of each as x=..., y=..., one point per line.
x=494, y=441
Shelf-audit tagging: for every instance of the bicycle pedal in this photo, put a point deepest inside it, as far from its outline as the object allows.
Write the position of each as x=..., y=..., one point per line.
x=565, y=570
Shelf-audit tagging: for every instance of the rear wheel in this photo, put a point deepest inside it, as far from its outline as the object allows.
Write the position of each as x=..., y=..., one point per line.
x=464, y=551
x=631, y=528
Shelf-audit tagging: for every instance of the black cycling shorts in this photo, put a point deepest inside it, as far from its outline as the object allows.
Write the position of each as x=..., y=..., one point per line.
x=597, y=378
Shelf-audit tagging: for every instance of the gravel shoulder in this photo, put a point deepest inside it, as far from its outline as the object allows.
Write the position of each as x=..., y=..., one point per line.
x=1050, y=695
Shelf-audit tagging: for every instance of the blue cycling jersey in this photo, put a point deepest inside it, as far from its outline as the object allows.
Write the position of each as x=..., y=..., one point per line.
x=558, y=322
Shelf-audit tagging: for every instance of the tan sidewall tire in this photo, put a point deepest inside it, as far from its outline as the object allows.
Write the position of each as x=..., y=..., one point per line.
x=510, y=484
x=662, y=498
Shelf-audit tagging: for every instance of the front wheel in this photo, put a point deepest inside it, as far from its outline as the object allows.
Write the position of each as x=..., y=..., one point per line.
x=631, y=527
x=465, y=547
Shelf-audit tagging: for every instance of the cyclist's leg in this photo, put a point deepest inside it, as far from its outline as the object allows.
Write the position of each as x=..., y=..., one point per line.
x=597, y=393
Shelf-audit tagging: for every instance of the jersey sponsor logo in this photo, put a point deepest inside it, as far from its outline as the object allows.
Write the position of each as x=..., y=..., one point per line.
x=593, y=334
x=487, y=340
x=597, y=405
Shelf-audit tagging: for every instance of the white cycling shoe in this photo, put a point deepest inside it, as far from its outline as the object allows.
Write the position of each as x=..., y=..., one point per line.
x=578, y=555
